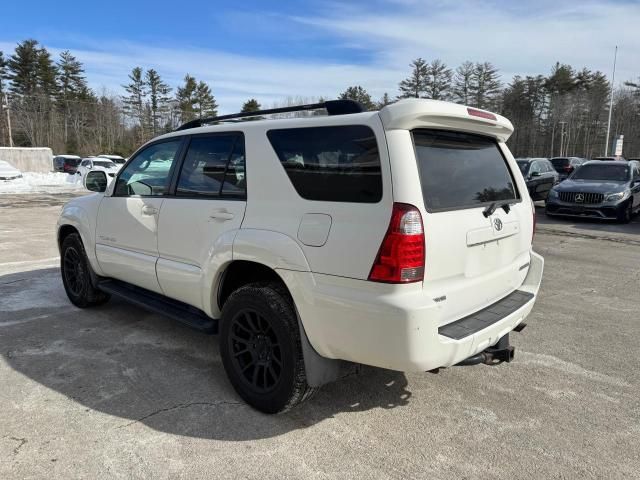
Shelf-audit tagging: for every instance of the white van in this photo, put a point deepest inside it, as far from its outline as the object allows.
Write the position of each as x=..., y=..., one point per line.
x=399, y=238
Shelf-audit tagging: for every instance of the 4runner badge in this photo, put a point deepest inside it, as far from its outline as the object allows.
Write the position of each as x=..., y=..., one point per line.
x=498, y=224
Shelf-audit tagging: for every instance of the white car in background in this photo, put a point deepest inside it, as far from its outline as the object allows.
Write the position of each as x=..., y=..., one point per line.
x=97, y=164
x=8, y=172
x=117, y=159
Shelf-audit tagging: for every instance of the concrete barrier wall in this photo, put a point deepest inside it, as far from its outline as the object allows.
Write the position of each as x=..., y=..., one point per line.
x=28, y=159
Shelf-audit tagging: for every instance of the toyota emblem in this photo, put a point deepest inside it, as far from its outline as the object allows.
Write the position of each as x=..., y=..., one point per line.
x=498, y=224
x=579, y=197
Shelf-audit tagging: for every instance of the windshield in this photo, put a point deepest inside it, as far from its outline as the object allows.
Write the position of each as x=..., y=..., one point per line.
x=103, y=163
x=460, y=170
x=616, y=173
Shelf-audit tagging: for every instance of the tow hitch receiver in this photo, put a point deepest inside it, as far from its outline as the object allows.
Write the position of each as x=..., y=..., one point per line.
x=500, y=352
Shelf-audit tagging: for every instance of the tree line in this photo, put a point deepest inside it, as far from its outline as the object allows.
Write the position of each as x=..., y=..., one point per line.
x=51, y=104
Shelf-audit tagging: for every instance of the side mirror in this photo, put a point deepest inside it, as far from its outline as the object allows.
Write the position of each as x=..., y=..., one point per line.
x=95, y=181
x=535, y=174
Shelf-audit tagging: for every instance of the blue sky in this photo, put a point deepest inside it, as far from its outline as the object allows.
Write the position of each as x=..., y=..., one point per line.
x=271, y=50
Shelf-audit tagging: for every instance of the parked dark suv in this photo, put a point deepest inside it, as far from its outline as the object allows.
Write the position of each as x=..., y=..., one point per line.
x=566, y=165
x=539, y=175
x=66, y=163
x=598, y=189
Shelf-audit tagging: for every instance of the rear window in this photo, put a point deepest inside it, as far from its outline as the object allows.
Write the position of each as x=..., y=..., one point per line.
x=559, y=163
x=460, y=170
x=332, y=164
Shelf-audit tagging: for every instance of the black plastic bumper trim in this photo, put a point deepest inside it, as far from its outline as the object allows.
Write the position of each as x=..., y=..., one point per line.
x=487, y=316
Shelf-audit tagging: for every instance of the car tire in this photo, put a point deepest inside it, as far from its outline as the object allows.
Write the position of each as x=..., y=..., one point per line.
x=625, y=215
x=77, y=274
x=261, y=350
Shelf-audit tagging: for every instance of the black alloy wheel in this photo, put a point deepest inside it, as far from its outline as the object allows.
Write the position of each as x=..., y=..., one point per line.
x=255, y=350
x=74, y=271
x=260, y=347
x=77, y=274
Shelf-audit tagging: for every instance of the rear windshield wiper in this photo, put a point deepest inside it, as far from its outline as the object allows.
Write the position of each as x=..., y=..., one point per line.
x=505, y=205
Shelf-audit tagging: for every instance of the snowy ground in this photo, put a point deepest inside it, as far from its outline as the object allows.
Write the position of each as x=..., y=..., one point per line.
x=31, y=182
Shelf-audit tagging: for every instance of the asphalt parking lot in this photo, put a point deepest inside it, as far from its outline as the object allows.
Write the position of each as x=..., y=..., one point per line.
x=117, y=392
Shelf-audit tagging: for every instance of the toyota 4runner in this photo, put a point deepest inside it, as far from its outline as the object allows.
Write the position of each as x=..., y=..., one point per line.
x=400, y=238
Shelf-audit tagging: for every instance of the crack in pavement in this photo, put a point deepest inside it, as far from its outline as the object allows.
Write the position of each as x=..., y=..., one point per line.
x=21, y=441
x=181, y=406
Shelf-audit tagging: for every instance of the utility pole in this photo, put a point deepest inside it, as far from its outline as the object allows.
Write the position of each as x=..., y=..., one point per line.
x=5, y=104
x=613, y=79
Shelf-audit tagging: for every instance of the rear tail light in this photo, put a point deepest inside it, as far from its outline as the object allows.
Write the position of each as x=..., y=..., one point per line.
x=533, y=211
x=401, y=255
x=568, y=168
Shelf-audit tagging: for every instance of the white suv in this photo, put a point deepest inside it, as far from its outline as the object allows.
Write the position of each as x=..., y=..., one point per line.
x=399, y=238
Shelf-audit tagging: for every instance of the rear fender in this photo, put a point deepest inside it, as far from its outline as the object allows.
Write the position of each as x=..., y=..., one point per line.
x=281, y=253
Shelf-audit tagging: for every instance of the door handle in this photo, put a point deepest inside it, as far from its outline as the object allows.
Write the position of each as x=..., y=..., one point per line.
x=149, y=210
x=221, y=215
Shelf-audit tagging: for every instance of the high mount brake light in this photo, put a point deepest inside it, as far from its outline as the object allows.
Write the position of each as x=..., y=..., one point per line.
x=401, y=257
x=482, y=114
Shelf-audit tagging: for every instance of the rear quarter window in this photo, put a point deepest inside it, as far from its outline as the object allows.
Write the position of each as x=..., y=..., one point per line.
x=460, y=170
x=333, y=164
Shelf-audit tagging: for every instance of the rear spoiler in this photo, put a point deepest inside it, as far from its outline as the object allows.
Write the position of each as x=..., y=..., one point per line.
x=413, y=113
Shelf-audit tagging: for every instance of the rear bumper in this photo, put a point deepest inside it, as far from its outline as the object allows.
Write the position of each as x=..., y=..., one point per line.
x=367, y=323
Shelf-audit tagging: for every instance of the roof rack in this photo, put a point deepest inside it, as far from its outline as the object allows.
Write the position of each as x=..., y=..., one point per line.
x=333, y=107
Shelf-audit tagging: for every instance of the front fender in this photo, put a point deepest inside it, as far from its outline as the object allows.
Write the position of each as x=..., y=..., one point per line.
x=82, y=216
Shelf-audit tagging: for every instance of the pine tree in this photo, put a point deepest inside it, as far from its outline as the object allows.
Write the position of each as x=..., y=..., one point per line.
x=72, y=87
x=251, y=105
x=384, y=101
x=485, y=87
x=360, y=95
x=3, y=75
x=46, y=74
x=3, y=99
x=135, y=102
x=185, y=96
x=438, y=80
x=23, y=68
x=416, y=84
x=204, y=102
x=158, y=98
x=71, y=79
x=462, y=83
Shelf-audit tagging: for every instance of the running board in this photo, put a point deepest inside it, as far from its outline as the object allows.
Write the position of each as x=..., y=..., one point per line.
x=157, y=303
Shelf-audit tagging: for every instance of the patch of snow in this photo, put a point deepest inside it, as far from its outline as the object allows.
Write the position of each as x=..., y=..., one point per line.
x=31, y=182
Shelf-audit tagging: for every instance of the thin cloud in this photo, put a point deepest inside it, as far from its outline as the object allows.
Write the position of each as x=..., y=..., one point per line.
x=519, y=38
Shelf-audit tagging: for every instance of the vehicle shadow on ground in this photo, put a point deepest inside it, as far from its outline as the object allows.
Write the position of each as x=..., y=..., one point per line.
x=589, y=225
x=145, y=369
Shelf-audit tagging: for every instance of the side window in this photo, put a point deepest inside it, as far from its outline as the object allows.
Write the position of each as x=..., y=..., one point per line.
x=636, y=172
x=214, y=166
x=535, y=168
x=85, y=163
x=334, y=164
x=148, y=173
